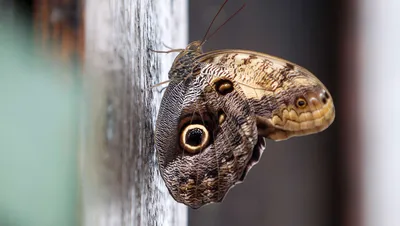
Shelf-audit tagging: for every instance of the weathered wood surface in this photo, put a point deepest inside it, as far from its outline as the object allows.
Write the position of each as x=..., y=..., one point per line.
x=121, y=181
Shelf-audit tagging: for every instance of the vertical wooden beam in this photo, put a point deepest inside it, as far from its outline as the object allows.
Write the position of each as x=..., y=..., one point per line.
x=121, y=181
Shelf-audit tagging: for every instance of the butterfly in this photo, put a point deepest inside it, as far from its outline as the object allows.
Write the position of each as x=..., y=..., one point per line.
x=217, y=111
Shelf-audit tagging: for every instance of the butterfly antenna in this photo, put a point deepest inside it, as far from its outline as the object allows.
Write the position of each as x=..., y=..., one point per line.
x=212, y=22
x=226, y=21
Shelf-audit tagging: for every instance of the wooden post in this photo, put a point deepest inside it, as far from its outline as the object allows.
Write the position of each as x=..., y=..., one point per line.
x=121, y=184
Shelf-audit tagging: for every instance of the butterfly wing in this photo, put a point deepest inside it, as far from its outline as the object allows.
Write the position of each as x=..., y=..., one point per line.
x=288, y=100
x=205, y=135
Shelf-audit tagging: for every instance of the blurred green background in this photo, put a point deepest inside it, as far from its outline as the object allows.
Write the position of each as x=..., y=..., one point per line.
x=39, y=113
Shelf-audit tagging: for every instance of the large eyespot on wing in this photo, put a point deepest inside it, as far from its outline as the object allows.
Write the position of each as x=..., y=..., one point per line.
x=204, y=138
x=288, y=99
x=194, y=138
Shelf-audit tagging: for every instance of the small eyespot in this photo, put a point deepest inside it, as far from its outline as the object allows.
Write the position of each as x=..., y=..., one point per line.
x=221, y=117
x=326, y=95
x=301, y=103
x=223, y=86
x=194, y=138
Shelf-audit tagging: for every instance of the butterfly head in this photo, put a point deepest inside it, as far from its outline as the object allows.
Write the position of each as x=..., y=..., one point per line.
x=185, y=62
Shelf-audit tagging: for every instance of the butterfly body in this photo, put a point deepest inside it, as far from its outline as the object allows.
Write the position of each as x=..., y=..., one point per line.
x=218, y=108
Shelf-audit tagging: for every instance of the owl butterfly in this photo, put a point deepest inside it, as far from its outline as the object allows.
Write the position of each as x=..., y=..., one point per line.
x=217, y=111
